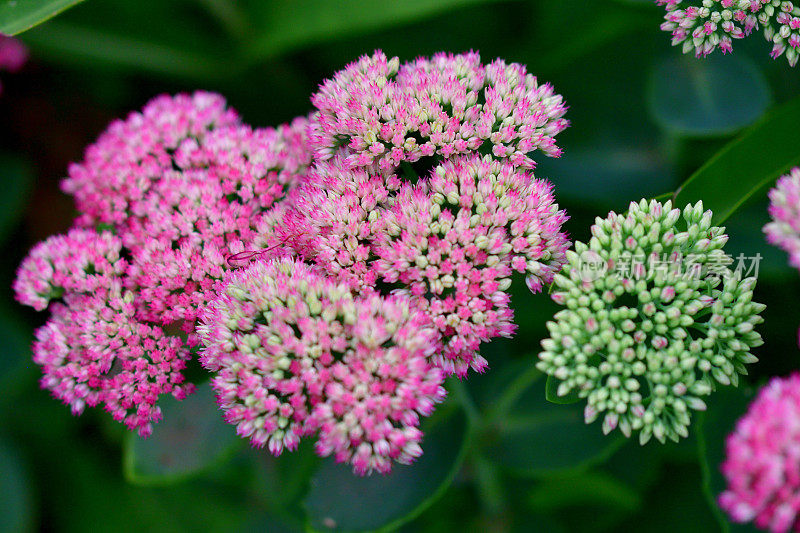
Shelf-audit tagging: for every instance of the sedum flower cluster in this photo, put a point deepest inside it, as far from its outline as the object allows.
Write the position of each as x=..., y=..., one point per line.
x=784, y=210
x=164, y=197
x=330, y=272
x=13, y=55
x=297, y=353
x=702, y=26
x=763, y=460
x=654, y=319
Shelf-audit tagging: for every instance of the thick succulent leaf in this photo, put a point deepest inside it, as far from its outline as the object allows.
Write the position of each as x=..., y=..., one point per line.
x=342, y=501
x=190, y=438
x=747, y=165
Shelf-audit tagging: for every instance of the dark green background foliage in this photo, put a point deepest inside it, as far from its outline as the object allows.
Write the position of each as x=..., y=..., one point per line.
x=498, y=457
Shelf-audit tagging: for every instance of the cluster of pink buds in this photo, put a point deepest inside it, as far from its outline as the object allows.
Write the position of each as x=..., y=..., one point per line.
x=387, y=113
x=702, y=26
x=762, y=464
x=784, y=209
x=330, y=278
x=296, y=353
x=165, y=197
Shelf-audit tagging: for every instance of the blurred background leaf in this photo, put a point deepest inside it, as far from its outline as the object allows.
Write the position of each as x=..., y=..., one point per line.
x=18, y=177
x=16, y=504
x=713, y=97
x=19, y=15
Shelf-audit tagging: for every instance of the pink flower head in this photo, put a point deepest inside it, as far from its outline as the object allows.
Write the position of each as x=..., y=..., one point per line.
x=13, y=54
x=388, y=113
x=296, y=353
x=133, y=154
x=185, y=226
x=705, y=25
x=762, y=464
x=784, y=209
x=81, y=261
x=335, y=215
x=93, y=351
x=186, y=193
x=454, y=240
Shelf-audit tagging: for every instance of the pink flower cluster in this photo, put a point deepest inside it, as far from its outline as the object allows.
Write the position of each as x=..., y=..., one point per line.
x=330, y=287
x=94, y=350
x=296, y=354
x=703, y=25
x=784, y=210
x=449, y=104
x=13, y=55
x=164, y=197
x=762, y=464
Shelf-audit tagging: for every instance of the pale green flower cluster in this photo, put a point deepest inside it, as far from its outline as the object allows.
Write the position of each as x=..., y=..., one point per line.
x=654, y=318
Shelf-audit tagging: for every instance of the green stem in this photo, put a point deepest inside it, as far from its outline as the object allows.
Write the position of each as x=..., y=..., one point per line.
x=462, y=395
x=512, y=393
x=490, y=487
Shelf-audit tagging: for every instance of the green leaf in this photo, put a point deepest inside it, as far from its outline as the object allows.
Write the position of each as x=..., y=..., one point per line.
x=748, y=164
x=283, y=26
x=715, y=96
x=16, y=347
x=19, y=15
x=725, y=407
x=17, y=180
x=16, y=506
x=551, y=393
x=538, y=438
x=191, y=437
x=342, y=501
x=141, y=35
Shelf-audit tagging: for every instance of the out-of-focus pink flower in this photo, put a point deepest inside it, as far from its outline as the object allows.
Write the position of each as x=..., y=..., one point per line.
x=762, y=464
x=295, y=353
x=13, y=54
x=784, y=209
x=387, y=113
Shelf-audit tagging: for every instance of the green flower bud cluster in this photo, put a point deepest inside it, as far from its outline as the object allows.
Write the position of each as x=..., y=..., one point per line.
x=644, y=343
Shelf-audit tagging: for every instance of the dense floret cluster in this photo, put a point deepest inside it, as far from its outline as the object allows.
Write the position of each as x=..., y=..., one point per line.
x=329, y=277
x=763, y=460
x=702, y=26
x=654, y=318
